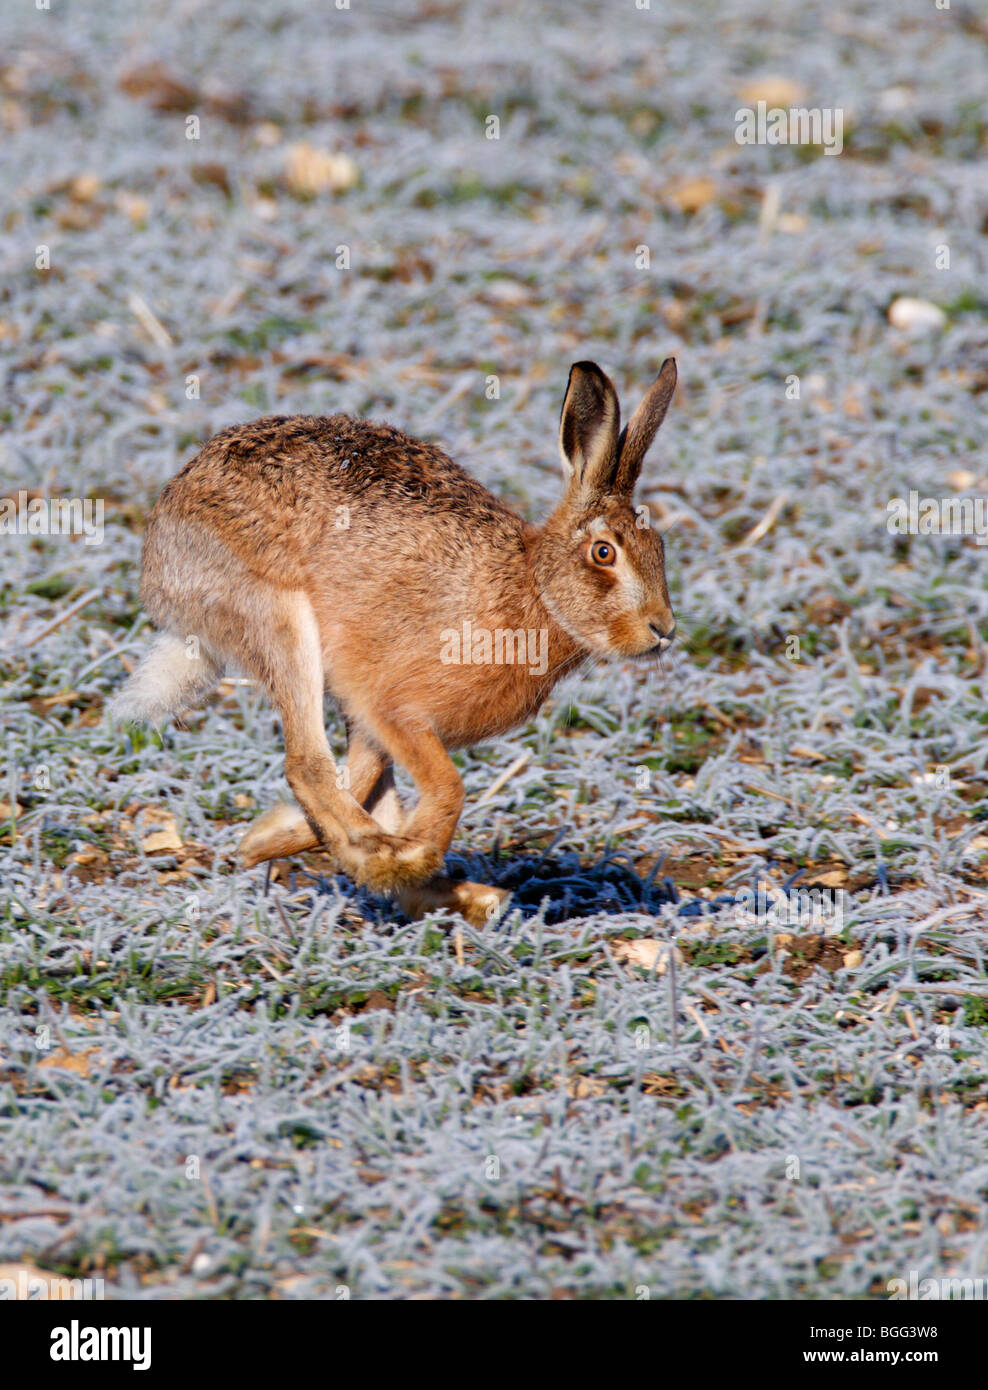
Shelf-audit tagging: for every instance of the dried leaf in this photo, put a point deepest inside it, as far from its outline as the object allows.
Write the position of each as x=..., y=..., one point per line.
x=646, y=953
x=87, y=856
x=84, y=187
x=132, y=205
x=309, y=171
x=70, y=1061
x=773, y=90
x=163, y=839
x=832, y=878
x=164, y=92
x=690, y=195
x=792, y=223
x=961, y=479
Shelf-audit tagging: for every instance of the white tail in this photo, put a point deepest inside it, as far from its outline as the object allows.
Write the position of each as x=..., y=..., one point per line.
x=170, y=677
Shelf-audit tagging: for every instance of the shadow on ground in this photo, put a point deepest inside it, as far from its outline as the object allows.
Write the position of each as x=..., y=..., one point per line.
x=557, y=886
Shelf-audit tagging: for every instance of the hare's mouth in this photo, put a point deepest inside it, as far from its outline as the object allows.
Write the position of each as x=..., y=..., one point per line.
x=663, y=640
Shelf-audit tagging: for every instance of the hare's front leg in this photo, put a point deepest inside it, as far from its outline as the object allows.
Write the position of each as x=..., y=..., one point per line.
x=440, y=787
x=369, y=855
x=284, y=830
x=288, y=660
x=370, y=786
x=434, y=820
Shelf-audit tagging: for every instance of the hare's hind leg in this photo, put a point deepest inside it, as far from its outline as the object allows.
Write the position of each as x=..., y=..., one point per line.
x=278, y=833
x=287, y=659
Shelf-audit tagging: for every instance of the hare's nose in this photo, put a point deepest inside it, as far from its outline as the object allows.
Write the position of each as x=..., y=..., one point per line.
x=664, y=638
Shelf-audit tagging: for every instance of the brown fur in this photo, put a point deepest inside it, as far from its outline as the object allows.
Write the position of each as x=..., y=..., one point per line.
x=330, y=553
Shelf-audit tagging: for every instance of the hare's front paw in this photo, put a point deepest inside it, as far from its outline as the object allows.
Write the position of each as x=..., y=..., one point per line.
x=478, y=903
x=384, y=863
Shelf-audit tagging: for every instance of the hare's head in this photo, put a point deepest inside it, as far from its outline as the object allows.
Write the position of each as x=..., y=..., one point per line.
x=599, y=566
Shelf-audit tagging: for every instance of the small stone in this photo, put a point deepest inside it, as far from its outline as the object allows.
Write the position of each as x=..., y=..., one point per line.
x=916, y=316
x=961, y=479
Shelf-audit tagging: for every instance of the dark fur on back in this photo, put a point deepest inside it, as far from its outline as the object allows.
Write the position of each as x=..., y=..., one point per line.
x=296, y=455
x=306, y=467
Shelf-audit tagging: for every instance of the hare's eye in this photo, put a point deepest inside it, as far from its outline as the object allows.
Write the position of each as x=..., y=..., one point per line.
x=603, y=553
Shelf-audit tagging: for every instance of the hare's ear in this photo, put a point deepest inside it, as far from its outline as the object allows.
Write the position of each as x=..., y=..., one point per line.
x=588, y=430
x=638, y=433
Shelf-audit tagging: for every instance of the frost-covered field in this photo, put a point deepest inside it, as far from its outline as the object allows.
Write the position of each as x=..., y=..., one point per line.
x=212, y=1090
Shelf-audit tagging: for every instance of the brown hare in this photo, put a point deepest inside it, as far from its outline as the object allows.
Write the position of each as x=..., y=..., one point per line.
x=332, y=554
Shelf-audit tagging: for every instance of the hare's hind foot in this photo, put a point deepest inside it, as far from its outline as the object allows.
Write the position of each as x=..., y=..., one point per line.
x=279, y=833
x=383, y=863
